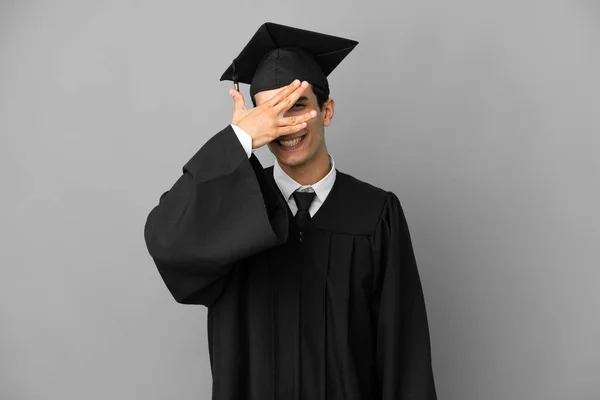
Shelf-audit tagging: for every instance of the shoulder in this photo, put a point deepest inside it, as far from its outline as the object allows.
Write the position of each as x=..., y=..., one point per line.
x=366, y=202
x=364, y=191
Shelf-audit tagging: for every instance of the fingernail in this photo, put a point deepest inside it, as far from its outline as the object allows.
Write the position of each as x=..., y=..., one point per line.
x=296, y=83
x=304, y=84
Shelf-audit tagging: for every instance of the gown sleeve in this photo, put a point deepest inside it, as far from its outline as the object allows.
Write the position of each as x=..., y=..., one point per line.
x=221, y=210
x=403, y=354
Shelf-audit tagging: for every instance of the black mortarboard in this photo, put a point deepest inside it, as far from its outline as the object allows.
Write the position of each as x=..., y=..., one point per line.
x=278, y=54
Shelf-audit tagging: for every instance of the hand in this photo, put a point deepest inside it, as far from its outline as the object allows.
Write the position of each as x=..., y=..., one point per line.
x=266, y=122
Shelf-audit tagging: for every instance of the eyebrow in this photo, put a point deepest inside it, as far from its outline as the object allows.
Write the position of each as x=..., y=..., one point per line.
x=302, y=98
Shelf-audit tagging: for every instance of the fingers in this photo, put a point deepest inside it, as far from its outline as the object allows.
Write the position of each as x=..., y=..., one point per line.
x=297, y=119
x=287, y=91
x=239, y=103
x=286, y=130
x=287, y=102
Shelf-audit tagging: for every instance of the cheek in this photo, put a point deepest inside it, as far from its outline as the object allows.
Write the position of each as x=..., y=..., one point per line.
x=316, y=123
x=316, y=127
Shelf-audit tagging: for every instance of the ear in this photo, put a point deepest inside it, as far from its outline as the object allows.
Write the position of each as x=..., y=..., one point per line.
x=328, y=111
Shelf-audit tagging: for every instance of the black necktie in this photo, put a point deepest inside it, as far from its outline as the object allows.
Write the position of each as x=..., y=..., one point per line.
x=303, y=200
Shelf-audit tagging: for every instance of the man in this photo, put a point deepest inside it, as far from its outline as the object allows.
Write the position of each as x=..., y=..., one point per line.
x=308, y=273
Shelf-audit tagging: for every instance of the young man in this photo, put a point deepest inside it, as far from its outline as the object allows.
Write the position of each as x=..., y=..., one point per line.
x=308, y=273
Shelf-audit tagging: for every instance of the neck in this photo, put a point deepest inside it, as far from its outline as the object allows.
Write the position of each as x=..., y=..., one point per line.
x=311, y=172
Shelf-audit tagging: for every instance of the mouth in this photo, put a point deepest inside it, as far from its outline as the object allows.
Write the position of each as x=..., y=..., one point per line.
x=291, y=144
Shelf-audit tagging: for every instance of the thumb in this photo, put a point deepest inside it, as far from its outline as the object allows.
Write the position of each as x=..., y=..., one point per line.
x=238, y=100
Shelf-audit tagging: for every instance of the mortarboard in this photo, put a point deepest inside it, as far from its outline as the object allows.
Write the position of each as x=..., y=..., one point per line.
x=278, y=54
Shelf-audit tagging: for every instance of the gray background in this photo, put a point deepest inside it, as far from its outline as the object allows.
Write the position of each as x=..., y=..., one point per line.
x=482, y=116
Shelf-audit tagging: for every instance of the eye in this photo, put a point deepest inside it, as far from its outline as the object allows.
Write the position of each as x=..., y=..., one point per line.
x=298, y=106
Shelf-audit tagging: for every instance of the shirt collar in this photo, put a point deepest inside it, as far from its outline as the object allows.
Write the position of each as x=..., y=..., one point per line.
x=287, y=185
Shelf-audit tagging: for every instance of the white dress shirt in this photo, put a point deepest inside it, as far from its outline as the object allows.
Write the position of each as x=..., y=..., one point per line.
x=286, y=184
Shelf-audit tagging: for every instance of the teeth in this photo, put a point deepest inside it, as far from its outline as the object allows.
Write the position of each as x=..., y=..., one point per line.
x=292, y=142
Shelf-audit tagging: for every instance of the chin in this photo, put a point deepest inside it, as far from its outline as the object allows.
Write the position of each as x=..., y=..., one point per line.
x=292, y=161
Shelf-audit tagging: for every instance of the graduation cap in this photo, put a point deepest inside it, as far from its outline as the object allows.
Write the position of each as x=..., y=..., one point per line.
x=278, y=54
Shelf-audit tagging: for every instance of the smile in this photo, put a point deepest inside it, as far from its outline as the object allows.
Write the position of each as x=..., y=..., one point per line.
x=291, y=144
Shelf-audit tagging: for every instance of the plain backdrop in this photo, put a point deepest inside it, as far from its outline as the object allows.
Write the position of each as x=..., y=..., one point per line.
x=482, y=116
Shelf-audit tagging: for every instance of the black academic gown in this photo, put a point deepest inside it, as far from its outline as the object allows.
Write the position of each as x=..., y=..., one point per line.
x=335, y=312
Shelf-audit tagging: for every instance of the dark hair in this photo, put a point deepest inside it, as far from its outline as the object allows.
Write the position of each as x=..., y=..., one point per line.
x=321, y=98
x=319, y=93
